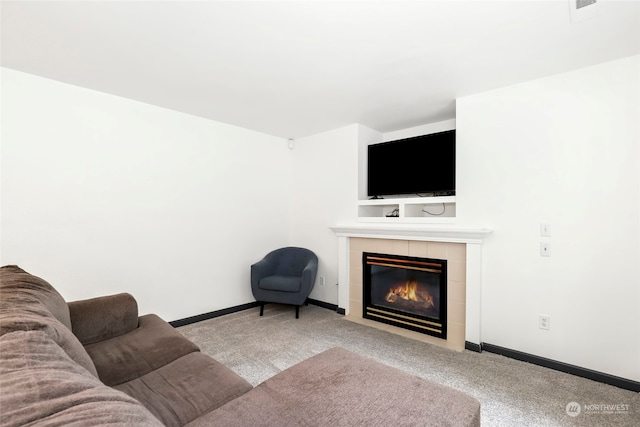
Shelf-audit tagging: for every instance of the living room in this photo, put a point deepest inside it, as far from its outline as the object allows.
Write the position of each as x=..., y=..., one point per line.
x=104, y=194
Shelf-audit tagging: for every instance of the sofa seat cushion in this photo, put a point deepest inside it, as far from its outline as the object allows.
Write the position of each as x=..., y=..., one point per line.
x=152, y=345
x=186, y=388
x=41, y=385
x=338, y=387
x=280, y=283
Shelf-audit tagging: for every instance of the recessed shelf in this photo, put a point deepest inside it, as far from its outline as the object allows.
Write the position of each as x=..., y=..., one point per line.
x=411, y=209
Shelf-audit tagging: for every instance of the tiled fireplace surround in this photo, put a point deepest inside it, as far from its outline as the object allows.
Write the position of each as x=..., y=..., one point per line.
x=461, y=247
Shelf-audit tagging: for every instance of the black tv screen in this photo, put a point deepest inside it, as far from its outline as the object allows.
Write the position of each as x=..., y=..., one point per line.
x=422, y=165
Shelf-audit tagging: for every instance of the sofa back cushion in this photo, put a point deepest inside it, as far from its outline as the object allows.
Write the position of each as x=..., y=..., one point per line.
x=23, y=289
x=28, y=303
x=41, y=385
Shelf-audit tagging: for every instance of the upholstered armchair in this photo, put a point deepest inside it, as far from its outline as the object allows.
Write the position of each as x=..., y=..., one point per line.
x=284, y=276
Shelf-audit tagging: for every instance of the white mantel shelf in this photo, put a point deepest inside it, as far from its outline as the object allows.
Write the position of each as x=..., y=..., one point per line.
x=431, y=232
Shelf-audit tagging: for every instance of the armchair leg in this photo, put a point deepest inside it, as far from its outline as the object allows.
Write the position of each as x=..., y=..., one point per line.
x=297, y=311
x=261, y=308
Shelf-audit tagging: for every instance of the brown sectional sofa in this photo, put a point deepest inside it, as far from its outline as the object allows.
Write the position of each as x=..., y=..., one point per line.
x=97, y=359
x=96, y=362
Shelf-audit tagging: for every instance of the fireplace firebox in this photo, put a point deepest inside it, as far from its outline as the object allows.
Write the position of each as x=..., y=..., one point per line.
x=407, y=292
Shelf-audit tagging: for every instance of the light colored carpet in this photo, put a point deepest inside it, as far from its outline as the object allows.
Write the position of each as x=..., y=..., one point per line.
x=512, y=393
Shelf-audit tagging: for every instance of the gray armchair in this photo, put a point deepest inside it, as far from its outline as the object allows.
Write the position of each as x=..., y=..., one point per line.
x=284, y=276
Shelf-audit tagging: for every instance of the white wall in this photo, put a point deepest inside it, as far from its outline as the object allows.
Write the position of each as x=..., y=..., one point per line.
x=562, y=150
x=325, y=191
x=101, y=194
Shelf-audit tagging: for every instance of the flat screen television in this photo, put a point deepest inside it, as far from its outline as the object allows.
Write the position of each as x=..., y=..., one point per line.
x=421, y=165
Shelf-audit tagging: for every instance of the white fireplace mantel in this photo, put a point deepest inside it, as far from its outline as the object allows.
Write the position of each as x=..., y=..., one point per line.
x=473, y=237
x=432, y=233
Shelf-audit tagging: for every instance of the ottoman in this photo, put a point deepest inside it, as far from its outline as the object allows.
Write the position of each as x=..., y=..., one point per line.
x=341, y=388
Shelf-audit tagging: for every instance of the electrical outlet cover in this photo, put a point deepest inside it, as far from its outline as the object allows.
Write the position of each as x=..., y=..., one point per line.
x=545, y=249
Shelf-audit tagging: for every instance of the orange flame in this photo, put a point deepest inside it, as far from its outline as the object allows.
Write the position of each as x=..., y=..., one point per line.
x=409, y=292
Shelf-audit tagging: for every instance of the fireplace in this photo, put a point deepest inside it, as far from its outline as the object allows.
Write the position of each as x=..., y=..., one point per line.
x=407, y=292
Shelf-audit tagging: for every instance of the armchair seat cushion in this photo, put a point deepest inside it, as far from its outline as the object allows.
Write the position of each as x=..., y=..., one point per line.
x=280, y=283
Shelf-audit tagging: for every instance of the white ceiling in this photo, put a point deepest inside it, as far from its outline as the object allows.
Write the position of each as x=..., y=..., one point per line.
x=296, y=68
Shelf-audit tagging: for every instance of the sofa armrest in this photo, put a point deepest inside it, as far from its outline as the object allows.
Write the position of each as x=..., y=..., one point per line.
x=98, y=319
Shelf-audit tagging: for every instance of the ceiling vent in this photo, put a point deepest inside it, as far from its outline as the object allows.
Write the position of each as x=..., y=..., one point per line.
x=583, y=9
x=584, y=3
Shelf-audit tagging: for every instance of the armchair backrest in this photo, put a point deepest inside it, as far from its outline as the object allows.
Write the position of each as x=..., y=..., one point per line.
x=290, y=261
